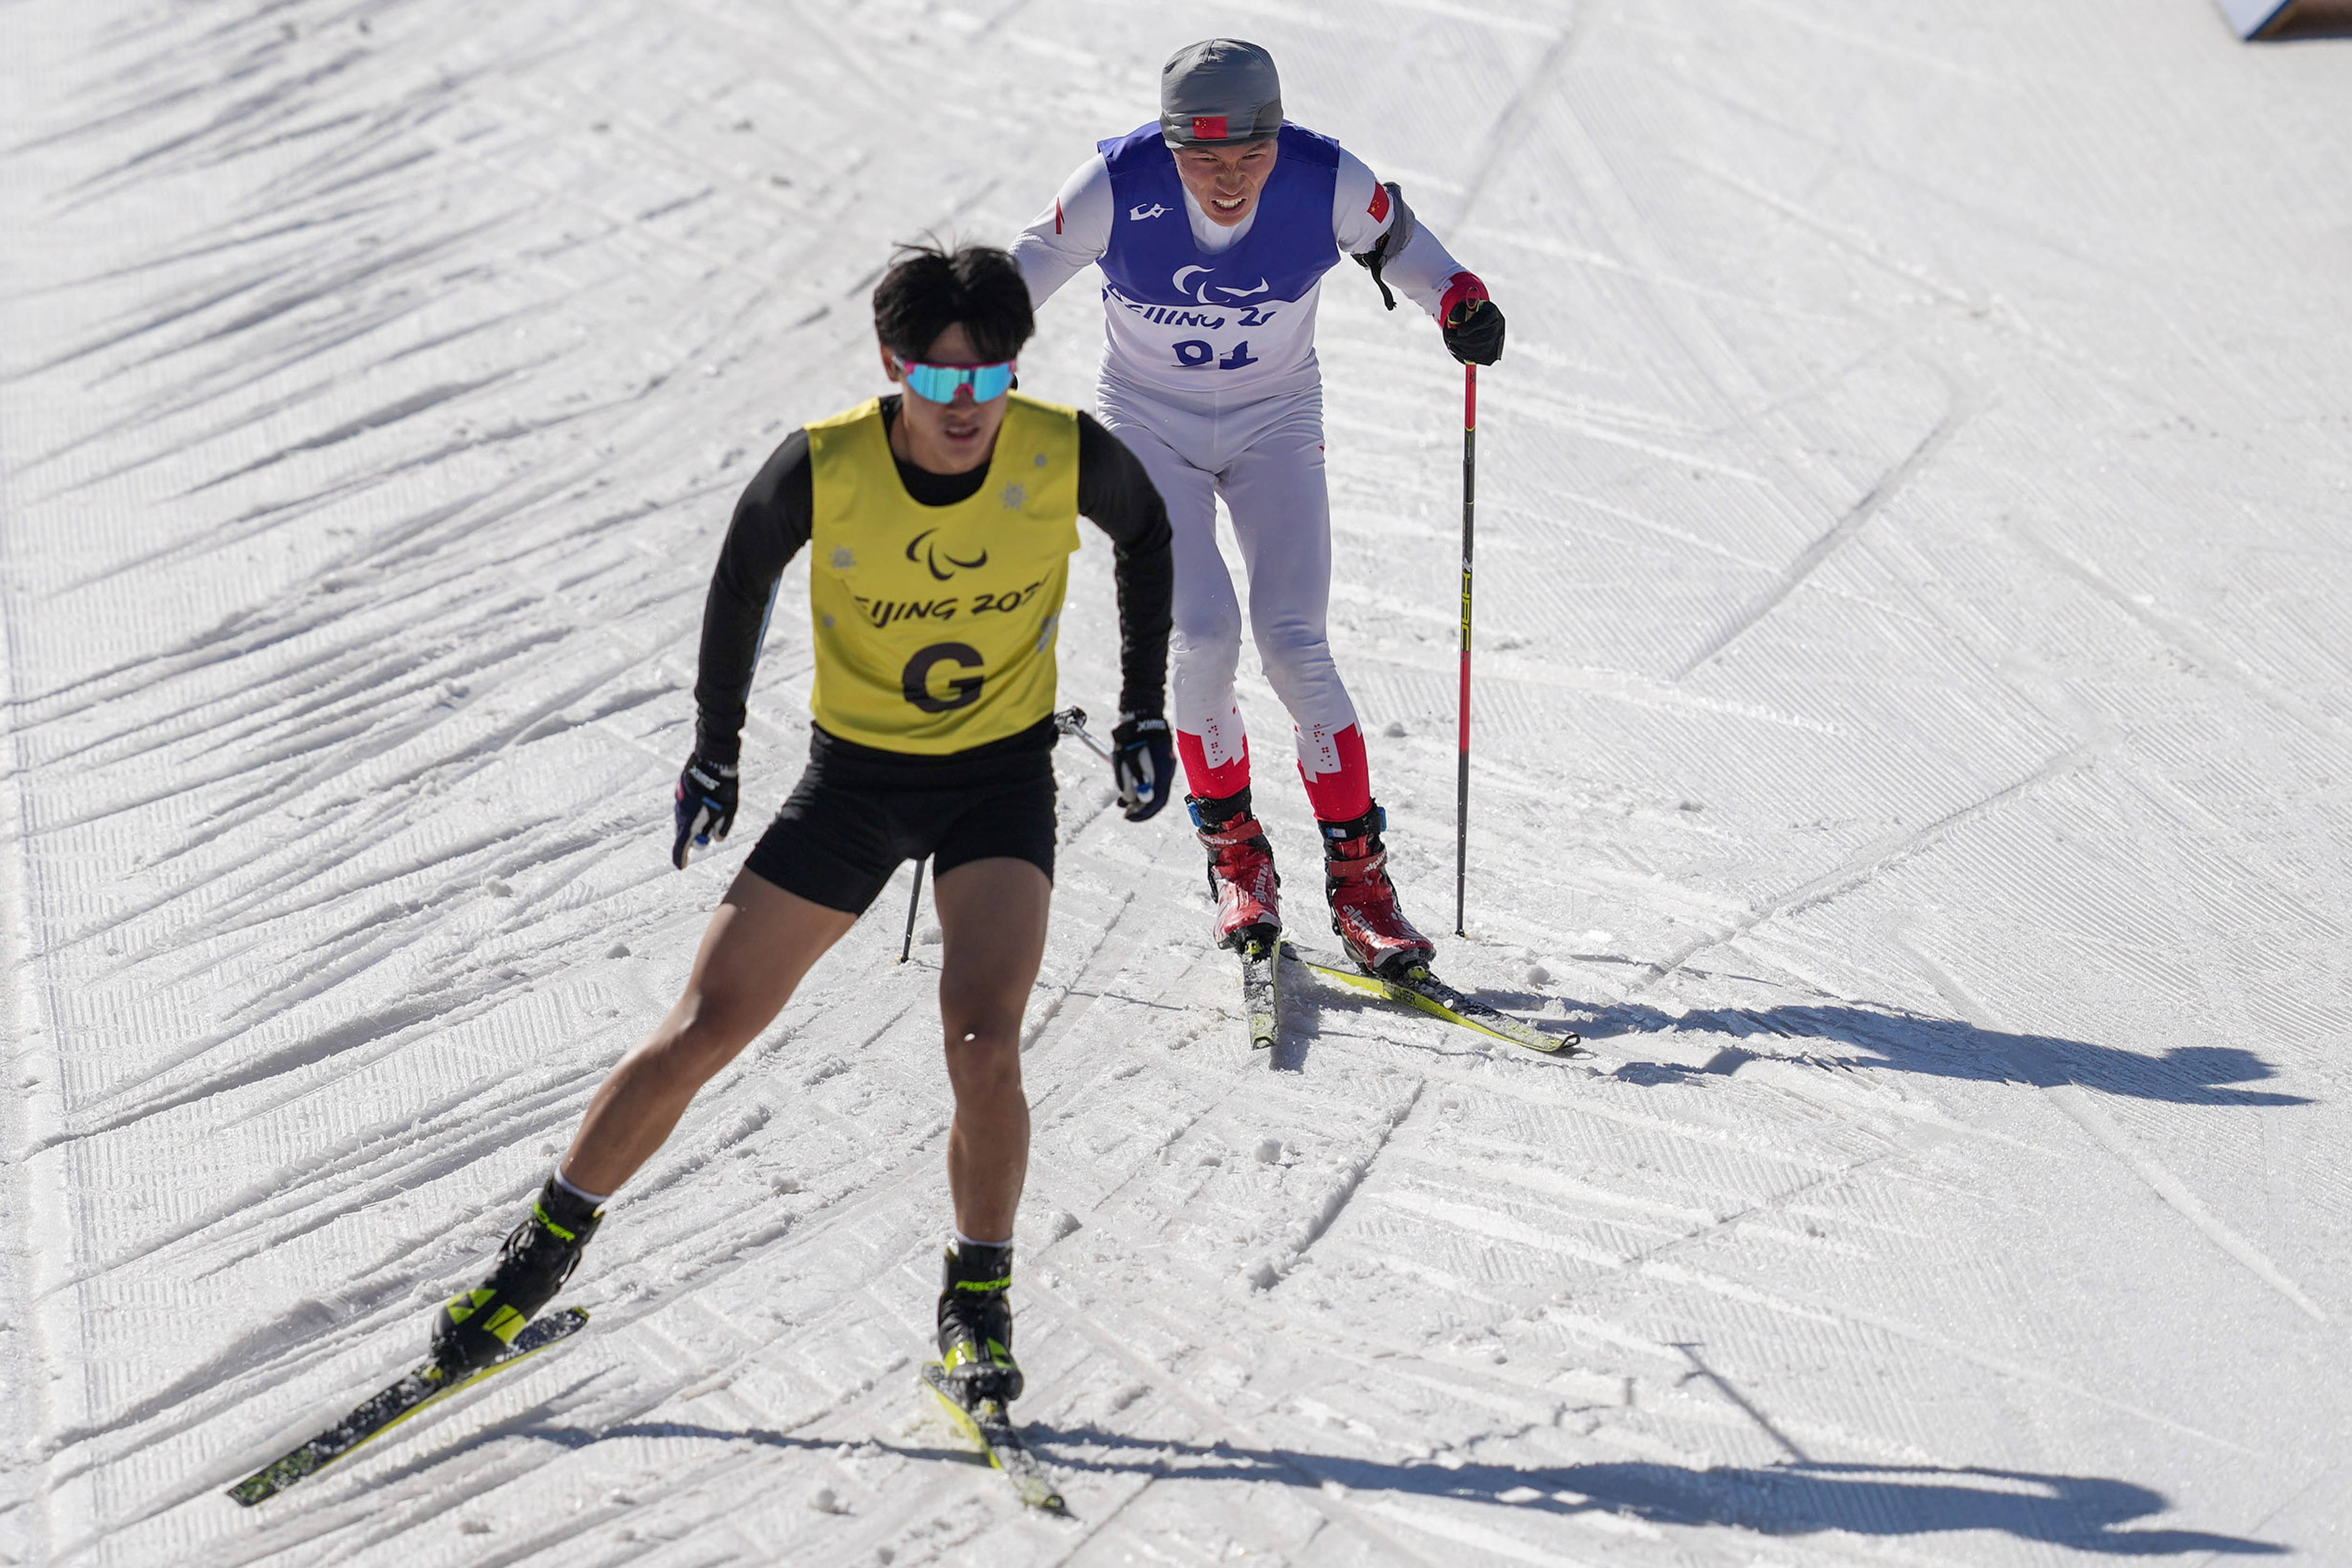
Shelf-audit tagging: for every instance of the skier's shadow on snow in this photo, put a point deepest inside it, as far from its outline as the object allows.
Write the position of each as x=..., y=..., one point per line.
x=2085, y=1513
x=1942, y=1048
x=585, y=1436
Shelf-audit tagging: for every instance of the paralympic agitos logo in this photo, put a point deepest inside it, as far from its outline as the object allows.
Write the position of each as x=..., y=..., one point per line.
x=932, y=555
x=1192, y=289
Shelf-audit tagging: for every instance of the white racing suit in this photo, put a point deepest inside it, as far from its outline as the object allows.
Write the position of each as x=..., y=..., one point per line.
x=1209, y=375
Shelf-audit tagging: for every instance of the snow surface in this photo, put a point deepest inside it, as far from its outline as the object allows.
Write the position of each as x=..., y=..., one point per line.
x=1915, y=746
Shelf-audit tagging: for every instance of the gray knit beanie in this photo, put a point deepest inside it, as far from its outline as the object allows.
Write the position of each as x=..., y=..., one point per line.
x=1218, y=92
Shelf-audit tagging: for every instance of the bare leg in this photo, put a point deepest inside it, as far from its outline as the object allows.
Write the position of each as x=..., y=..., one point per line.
x=762, y=940
x=992, y=917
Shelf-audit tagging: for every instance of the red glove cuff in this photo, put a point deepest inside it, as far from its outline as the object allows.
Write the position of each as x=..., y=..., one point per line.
x=1465, y=291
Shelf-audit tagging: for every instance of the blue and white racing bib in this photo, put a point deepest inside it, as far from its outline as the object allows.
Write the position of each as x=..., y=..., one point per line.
x=1233, y=322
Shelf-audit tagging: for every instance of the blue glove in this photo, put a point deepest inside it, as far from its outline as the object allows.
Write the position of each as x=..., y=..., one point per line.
x=706, y=806
x=1143, y=759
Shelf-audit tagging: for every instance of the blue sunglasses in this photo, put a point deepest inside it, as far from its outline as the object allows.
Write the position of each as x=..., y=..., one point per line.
x=939, y=383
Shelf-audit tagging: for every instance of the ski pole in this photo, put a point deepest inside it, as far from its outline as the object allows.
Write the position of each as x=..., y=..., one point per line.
x=1462, y=775
x=1073, y=721
x=914, y=901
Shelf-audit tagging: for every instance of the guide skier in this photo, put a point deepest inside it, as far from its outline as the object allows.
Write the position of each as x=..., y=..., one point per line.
x=940, y=523
x=1214, y=226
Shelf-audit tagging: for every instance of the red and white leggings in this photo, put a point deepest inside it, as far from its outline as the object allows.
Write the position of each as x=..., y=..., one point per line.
x=1266, y=458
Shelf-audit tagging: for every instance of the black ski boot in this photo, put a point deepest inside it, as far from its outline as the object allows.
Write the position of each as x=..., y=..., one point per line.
x=976, y=1323
x=477, y=1326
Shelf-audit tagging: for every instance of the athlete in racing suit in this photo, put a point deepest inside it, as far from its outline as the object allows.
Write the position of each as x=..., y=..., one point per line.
x=1213, y=226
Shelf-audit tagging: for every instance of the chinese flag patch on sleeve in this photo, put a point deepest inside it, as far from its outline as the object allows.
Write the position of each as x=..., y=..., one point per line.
x=1380, y=207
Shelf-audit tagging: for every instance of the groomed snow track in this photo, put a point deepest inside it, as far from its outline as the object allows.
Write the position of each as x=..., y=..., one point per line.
x=1916, y=749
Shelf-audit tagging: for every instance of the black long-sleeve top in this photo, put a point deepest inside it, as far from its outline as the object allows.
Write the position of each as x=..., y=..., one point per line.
x=776, y=517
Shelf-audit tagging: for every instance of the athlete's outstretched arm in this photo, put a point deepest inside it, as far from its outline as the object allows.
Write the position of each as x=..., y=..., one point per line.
x=1362, y=211
x=1118, y=495
x=1068, y=236
x=772, y=522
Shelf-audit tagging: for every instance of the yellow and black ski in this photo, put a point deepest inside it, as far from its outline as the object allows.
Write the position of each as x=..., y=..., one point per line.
x=421, y=1388
x=986, y=1424
x=1417, y=988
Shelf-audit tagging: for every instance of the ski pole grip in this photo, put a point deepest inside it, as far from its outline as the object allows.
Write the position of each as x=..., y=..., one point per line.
x=1073, y=721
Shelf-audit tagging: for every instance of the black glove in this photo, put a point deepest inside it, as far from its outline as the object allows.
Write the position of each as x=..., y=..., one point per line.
x=1473, y=323
x=1143, y=759
x=706, y=806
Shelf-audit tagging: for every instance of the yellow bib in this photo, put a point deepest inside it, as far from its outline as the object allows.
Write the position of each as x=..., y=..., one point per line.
x=935, y=624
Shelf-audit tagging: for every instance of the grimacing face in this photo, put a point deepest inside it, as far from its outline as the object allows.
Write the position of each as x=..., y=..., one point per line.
x=1226, y=181
x=945, y=437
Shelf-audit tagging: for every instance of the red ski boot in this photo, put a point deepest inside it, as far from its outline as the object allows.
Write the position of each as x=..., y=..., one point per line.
x=1242, y=877
x=1363, y=901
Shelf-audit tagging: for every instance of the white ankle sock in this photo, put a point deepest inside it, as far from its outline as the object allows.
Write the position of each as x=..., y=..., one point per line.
x=593, y=1199
x=961, y=1240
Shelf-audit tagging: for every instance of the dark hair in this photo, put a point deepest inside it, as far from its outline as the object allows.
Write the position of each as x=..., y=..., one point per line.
x=928, y=289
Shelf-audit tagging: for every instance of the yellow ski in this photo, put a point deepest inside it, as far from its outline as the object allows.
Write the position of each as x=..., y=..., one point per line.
x=993, y=1433
x=421, y=1388
x=1417, y=988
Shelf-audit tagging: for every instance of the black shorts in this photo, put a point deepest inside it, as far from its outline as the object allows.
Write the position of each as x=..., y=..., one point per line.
x=857, y=813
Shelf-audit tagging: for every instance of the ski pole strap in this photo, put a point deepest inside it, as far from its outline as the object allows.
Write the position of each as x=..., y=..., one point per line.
x=1393, y=243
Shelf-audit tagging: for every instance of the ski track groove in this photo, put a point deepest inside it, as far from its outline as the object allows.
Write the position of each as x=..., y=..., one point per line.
x=1642, y=1263
x=2177, y=1194
x=1871, y=862
x=1339, y=1510
x=1795, y=574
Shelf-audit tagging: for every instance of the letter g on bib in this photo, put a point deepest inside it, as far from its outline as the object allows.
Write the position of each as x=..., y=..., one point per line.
x=963, y=690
